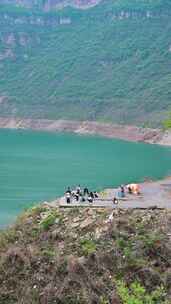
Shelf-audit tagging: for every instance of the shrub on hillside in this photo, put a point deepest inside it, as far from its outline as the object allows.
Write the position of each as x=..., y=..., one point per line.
x=136, y=294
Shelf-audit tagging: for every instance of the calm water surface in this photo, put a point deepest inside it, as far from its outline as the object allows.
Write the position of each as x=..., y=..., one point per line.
x=37, y=166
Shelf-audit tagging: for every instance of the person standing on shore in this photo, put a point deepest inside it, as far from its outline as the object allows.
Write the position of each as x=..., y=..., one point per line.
x=78, y=189
x=85, y=192
x=68, y=190
x=68, y=197
x=91, y=197
x=95, y=194
x=77, y=196
x=115, y=201
x=122, y=191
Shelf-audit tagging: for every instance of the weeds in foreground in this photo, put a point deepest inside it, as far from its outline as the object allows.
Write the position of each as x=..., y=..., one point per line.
x=48, y=253
x=7, y=236
x=136, y=294
x=50, y=220
x=87, y=246
x=103, y=300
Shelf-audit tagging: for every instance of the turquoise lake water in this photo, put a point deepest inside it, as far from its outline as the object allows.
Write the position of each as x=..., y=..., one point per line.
x=38, y=166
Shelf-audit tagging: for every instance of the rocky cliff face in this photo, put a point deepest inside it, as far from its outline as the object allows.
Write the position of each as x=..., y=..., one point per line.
x=48, y=5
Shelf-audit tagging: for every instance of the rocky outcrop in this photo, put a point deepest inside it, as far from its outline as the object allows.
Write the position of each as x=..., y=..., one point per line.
x=12, y=41
x=48, y=5
x=33, y=20
x=7, y=54
x=135, y=14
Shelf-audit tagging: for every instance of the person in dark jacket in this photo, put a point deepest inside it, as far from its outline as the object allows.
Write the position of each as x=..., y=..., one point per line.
x=85, y=192
x=90, y=197
x=68, y=197
x=95, y=194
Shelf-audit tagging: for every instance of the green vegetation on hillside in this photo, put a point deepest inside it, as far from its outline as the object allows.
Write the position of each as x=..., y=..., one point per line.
x=105, y=65
x=167, y=122
x=75, y=257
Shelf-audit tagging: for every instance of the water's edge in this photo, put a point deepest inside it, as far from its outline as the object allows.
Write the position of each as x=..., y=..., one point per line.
x=149, y=201
x=109, y=130
x=31, y=170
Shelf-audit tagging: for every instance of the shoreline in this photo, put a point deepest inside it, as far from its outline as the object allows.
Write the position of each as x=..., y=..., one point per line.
x=108, y=130
x=153, y=194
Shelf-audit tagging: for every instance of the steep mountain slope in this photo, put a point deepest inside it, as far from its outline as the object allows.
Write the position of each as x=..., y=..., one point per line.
x=110, y=62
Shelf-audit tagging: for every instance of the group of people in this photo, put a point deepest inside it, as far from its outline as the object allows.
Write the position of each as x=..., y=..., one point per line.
x=80, y=195
x=130, y=189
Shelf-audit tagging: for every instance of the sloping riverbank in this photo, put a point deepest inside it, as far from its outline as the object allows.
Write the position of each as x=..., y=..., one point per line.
x=125, y=132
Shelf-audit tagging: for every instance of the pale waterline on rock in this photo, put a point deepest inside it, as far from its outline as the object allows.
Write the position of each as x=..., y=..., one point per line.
x=109, y=130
